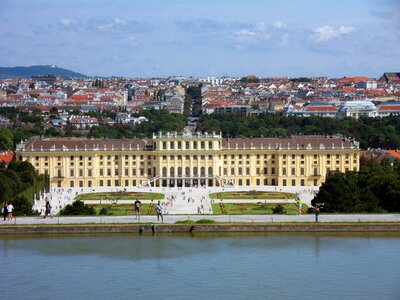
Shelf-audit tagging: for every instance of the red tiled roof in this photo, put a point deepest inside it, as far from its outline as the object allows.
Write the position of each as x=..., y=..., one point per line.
x=320, y=108
x=393, y=153
x=389, y=107
x=6, y=156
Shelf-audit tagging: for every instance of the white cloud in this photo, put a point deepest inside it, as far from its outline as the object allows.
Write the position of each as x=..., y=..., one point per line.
x=326, y=33
x=279, y=24
x=66, y=22
x=244, y=33
x=132, y=41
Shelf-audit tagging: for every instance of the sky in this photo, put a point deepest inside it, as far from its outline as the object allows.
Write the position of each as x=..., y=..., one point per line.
x=160, y=38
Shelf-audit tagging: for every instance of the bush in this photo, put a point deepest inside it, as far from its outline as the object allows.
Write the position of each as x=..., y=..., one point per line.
x=278, y=210
x=205, y=221
x=77, y=208
x=22, y=206
x=185, y=222
x=105, y=211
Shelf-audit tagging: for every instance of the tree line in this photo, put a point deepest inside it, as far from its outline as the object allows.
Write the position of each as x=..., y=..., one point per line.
x=19, y=182
x=370, y=132
x=374, y=189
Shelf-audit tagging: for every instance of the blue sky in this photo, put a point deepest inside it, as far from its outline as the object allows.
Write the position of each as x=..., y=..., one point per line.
x=203, y=38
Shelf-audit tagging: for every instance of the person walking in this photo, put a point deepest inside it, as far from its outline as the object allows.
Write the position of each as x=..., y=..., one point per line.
x=159, y=210
x=10, y=209
x=137, y=205
x=4, y=210
x=47, y=209
x=300, y=204
x=317, y=212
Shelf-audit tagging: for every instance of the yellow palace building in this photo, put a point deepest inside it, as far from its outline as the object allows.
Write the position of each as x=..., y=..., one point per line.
x=190, y=159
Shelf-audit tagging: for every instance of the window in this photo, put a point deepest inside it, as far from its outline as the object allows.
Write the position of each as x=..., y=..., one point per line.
x=172, y=145
x=108, y=182
x=273, y=181
x=101, y=172
x=258, y=181
x=301, y=171
x=232, y=171
x=225, y=171
x=247, y=171
x=293, y=171
x=116, y=172
x=187, y=145
x=101, y=183
x=108, y=172
x=126, y=182
x=293, y=182
x=273, y=171
x=240, y=182
x=302, y=182
x=283, y=171
x=90, y=172
x=247, y=182
x=81, y=173
x=133, y=172
x=71, y=173
x=164, y=145
x=71, y=184
x=210, y=145
x=126, y=172
x=265, y=181
x=284, y=182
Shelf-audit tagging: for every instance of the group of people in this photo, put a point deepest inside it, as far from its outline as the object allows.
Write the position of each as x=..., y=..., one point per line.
x=7, y=211
x=159, y=209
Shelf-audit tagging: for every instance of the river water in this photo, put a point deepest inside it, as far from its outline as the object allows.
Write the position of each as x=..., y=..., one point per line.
x=201, y=266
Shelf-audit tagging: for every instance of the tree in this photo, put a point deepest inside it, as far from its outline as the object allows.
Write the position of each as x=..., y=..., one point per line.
x=6, y=139
x=77, y=208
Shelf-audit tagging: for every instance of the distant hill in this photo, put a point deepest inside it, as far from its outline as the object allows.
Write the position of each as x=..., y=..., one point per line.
x=28, y=72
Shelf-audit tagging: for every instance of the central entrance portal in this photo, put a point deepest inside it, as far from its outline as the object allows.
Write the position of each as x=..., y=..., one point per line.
x=186, y=182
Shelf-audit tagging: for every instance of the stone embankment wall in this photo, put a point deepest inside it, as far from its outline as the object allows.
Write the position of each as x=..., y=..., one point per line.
x=192, y=228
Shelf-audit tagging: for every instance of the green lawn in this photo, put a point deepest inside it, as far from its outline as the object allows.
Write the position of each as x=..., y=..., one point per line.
x=124, y=209
x=253, y=195
x=254, y=208
x=120, y=196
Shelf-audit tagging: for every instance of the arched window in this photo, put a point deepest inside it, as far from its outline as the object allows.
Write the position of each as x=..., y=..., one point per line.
x=210, y=171
x=172, y=172
x=164, y=172
x=203, y=171
x=187, y=171
x=179, y=171
x=195, y=172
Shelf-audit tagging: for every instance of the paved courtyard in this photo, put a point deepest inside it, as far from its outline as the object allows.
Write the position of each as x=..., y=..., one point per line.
x=183, y=200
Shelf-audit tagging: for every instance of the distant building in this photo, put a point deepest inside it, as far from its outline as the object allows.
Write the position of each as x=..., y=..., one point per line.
x=391, y=77
x=388, y=109
x=368, y=85
x=355, y=109
x=314, y=109
x=49, y=79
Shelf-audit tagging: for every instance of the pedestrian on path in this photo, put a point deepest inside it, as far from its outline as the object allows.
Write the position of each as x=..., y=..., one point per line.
x=47, y=209
x=159, y=210
x=317, y=212
x=10, y=209
x=137, y=205
x=4, y=210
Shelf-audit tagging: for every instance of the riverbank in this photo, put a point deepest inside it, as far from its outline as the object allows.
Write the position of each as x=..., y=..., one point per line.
x=193, y=228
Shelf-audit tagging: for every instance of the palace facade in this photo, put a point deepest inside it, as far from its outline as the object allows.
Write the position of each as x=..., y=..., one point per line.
x=190, y=159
